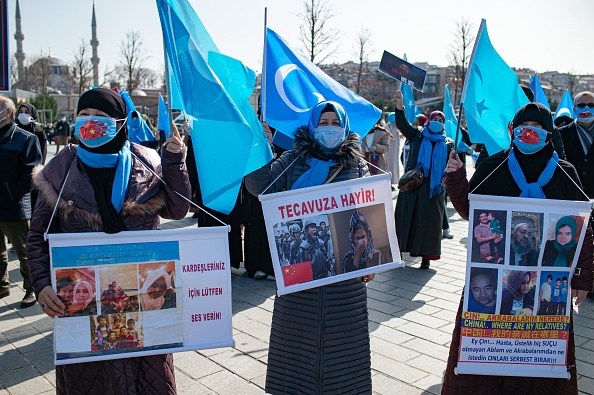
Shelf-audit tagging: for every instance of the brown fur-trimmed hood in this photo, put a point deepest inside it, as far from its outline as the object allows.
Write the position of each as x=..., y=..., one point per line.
x=348, y=154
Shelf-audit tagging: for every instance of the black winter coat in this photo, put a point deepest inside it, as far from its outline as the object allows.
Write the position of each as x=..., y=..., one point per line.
x=319, y=339
x=574, y=154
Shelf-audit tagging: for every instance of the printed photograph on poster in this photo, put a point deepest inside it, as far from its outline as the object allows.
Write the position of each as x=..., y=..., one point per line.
x=119, y=288
x=157, y=286
x=488, y=242
x=563, y=235
x=526, y=238
x=76, y=289
x=121, y=332
x=554, y=293
x=518, y=289
x=483, y=290
x=366, y=244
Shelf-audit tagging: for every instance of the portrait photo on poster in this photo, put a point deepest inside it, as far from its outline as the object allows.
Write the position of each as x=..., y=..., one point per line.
x=562, y=237
x=525, y=238
x=76, y=289
x=488, y=236
x=484, y=289
x=120, y=332
x=553, y=292
x=518, y=290
x=119, y=288
x=156, y=281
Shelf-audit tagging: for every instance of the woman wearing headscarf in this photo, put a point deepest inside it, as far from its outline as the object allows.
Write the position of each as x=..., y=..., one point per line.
x=84, y=296
x=376, y=145
x=560, y=252
x=156, y=292
x=362, y=254
x=529, y=168
x=107, y=186
x=27, y=115
x=419, y=213
x=319, y=339
x=515, y=299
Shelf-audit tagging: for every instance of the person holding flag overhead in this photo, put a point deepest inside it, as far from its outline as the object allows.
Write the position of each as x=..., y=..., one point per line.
x=330, y=354
x=106, y=184
x=419, y=213
x=533, y=170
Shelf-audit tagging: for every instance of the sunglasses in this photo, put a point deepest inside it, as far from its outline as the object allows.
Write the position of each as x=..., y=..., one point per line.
x=583, y=105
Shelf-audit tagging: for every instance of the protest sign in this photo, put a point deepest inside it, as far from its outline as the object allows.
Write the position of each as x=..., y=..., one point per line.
x=405, y=72
x=5, y=49
x=329, y=233
x=140, y=293
x=522, y=254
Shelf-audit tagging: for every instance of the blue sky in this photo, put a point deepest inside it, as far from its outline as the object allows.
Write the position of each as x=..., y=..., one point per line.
x=542, y=35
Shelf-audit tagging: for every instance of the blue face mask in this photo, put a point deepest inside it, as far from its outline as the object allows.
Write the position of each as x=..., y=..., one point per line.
x=329, y=137
x=530, y=139
x=435, y=127
x=584, y=115
x=94, y=130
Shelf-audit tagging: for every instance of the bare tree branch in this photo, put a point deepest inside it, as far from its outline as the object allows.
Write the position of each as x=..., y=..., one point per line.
x=315, y=34
x=363, y=49
x=459, y=54
x=82, y=68
x=133, y=56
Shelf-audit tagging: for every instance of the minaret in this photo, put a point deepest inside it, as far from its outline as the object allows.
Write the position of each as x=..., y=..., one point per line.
x=94, y=45
x=19, y=37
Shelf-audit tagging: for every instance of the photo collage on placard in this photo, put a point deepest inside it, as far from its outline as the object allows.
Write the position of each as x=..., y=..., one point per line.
x=321, y=246
x=130, y=306
x=520, y=262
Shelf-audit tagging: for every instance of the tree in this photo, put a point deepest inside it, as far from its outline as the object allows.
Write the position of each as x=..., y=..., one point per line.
x=315, y=34
x=459, y=54
x=133, y=56
x=82, y=68
x=363, y=49
x=572, y=81
x=47, y=108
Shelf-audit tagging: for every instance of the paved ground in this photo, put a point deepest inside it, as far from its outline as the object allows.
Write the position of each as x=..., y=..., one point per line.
x=411, y=316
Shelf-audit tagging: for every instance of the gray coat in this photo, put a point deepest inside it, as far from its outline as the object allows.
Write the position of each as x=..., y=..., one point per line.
x=319, y=339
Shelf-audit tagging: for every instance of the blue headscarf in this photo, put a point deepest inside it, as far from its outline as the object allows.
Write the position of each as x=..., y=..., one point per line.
x=392, y=118
x=432, y=159
x=318, y=168
x=316, y=113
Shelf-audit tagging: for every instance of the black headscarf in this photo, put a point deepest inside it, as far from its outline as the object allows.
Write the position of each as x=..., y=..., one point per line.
x=111, y=103
x=31, y=126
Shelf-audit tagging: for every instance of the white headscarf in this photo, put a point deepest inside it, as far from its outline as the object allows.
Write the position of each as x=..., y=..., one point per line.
x=147, y=302
x=86, y=285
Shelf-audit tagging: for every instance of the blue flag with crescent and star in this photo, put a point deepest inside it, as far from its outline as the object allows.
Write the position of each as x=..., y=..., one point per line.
x=565, y=106
x=293, y=85
x=539, y=95
x=163, y=121
x=408, y=100
x=491, y=95
x=213, y=89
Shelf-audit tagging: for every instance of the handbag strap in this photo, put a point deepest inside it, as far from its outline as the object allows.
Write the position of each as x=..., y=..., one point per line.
x=333, y=176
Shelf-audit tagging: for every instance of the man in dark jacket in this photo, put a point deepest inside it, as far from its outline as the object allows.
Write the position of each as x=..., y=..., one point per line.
x=577, y=140
x=63, y=133
x=19, y=153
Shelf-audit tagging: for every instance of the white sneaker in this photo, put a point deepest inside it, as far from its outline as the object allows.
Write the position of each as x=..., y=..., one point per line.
x=270, y=277
x=259, y=274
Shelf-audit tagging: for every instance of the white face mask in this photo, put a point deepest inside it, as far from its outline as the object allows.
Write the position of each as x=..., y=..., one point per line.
x=329, y=137
x=63, y=119
x=24, y=119
x=6, y=116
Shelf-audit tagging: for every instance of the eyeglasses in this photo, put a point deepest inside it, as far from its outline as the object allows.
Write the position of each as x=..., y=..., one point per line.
x=583, y=105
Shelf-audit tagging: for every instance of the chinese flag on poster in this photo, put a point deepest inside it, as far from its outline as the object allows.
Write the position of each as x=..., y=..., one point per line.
x=297, y=273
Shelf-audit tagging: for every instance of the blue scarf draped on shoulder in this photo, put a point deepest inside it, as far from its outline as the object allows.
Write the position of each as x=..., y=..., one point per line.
x=122, y=160
x=432, y=160
x=316, y=175
x=534, y=189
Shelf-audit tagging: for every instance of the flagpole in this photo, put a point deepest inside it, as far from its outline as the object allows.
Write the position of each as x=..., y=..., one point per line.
x=468, y=70
x=263, y=74
x=167, y=80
